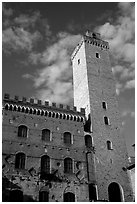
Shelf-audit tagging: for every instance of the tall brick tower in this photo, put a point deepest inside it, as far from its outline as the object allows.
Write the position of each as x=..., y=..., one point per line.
x=94, y=90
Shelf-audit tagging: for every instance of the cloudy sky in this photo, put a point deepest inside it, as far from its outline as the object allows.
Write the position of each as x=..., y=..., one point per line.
x=38, y=39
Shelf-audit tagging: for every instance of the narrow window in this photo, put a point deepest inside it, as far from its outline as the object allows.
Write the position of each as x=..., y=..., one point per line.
x=20, y=161
x=92, y=192
x=43, y=196
x=78, y=61
x=104, y=105
x=69, y=197
x=22, y=131
x=106, y=120
x=45, y=164
x=45, y=135
x=97, y=55
x=109, y=145
x=68, y=165
x=88, y=141
x=67, y=138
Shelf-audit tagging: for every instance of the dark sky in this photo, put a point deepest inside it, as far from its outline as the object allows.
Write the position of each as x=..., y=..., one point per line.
x=38, y=39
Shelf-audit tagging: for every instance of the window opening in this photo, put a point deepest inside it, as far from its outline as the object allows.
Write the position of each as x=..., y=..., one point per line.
x=69, y=197
x=97, y=55
x=43, y=196
x=88, y=141
x=46, y=135
x=45, y=164
x=67, y=138
x=20, y=161
x=68, y=165
x=106, y=120
x=104, y=105
x=22, y=131
x=109, y=145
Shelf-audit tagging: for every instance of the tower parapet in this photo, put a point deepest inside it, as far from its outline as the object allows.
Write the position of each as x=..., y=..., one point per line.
x=92, y=38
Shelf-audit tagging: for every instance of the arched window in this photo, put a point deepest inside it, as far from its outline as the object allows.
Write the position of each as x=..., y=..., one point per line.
x=16, y=196
x=20, y=161
x=46, y=135
x=109, y=145
x=45, y=164
x=115, y=192
x=69, y=197
x=88, y=141
x=92, y=192
x=68, y=165
x=22, y=131
x=6, y=106
x=67, y=138
x=43, y=196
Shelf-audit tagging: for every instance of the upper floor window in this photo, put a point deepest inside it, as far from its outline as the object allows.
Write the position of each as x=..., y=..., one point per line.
x=20, y=161
x=106, y=120
x=46, y=135
x=22, y=131
x=67, y=138
x=109, y=145
x=88, y=141
x=97, y=55
x=45, y=164
x=68, y=165
x=104, y=105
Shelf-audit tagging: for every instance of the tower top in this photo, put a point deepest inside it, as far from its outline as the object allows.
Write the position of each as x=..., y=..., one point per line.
x=91, y=38
x=93, y=35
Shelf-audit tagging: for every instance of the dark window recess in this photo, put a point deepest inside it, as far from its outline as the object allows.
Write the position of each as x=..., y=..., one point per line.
x=87, y=125
x=20, y=161
x=78, y=61
x=46, y=135
x=104, y=105
x=114, y=192
x=109, y=145
x=106, y=121
x=88, y=141
x=22, y=131
x=92, y=192
x=69, y=197
x=68, y=165
x=67, y=138
x=97, y=55
x=43, y=196
x=16, y=196
x=45, y=164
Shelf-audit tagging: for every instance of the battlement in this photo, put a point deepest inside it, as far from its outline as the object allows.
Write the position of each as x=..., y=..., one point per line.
x=39, y=107
x=93, y=39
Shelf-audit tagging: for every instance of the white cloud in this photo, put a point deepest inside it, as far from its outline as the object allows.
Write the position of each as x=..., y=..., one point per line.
x=6, y=11
x=54, y=81
x=15, y=39
x=121, y=37
x=117, y=69
x=130, y=84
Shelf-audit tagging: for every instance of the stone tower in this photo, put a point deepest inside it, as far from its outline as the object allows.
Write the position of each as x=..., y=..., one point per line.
x=94, y=90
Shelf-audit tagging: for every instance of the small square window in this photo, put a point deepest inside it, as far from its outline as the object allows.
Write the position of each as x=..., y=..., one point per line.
x=78, y=61
x=104, y=105
x=97, y=55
